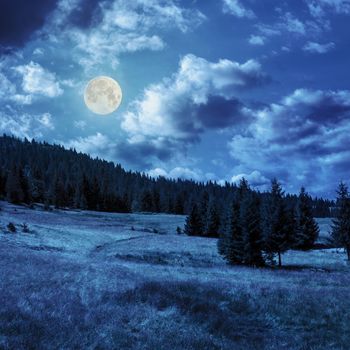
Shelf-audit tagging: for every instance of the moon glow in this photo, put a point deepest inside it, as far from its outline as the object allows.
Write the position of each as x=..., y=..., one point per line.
x=103, y=95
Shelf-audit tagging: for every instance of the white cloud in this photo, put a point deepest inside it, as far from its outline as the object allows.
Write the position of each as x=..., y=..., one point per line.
x=25, y=125
x=97, y=145
x=235, y=8
x=293, y=24
x=46, y=120
x=314, y=47
x=8, y=92
x=299, y=138
x=7, y=88
x=124, y=27
x=168, y=109
x=319, y=8
x=256, y=40
x=38, y=51
x=255, y=179
x=80, y=124
x=178, y=173
x=38, y=80
x=268, y=30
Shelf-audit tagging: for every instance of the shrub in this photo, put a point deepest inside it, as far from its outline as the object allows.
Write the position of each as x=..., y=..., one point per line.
x=25, y=228
x=11, y=227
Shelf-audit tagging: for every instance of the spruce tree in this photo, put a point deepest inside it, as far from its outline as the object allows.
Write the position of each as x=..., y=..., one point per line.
x=231, y=243
x=341, y=222
x=233, y=239
x=251, y=230
x=276, y=224
x=213, y=222
x=193, y=225
x=306, y=231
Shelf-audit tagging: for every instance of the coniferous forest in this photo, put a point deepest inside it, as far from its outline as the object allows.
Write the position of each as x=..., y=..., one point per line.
x=253, y=228
x=35, y=172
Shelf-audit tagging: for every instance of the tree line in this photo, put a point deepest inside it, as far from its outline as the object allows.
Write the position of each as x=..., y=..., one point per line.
x=37, y=172
x=257, y=229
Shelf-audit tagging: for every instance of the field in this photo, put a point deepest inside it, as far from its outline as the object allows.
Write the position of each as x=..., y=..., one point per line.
x=88, y=280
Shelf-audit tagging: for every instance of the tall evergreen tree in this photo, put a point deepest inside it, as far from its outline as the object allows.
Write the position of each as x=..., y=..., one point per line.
x=193, y=225
x=276, y=224
x=214, y=222
x=306, y=230
x=341, y=222
x=251, y=230
x=231, y=243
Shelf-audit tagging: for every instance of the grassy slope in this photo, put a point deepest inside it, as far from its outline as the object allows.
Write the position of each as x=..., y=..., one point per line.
x=87, y=280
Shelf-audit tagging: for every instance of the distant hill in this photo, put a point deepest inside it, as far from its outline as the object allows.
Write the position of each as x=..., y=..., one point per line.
x=32, y=171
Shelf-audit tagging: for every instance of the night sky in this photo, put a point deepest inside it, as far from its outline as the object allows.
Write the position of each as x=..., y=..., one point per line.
x=212, y=89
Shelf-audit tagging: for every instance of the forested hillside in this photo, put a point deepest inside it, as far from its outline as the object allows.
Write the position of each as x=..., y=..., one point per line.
x=32, y=171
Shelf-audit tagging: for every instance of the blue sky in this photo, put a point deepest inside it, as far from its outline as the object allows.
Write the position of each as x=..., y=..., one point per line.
x=212, y=89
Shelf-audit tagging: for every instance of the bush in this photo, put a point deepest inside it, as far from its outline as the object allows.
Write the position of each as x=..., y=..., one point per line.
x=25, y=228
x=11, y=227
x=178, y=230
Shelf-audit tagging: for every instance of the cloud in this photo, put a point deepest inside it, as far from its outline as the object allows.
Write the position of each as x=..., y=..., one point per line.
x=235, y=8
x=288, y=23
x=105, y=31
x=178, y=173
x=171, y=115
x=7, y=88
x=97, y=145
x=8, y=92
x=320, y=8
x=199, y=96
x=268, y=30
x=293, y=24
x=25, y=125
x=184, y=173
x=46, y=120
x=38, y=80
x=314, y=47
x=256, y=40
x=80, y=124
x=255, y=179
x=303, y=139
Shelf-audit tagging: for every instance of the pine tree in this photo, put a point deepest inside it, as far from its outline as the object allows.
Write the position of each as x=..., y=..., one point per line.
x=231, y=243
x=204, y=210
x=341, y=222
x=193, y=225
x=307, y=231
x=213, y=222
x=276, y=224
x=251, y=230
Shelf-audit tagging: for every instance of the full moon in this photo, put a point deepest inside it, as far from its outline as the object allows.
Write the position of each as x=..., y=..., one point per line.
x=103, y=95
